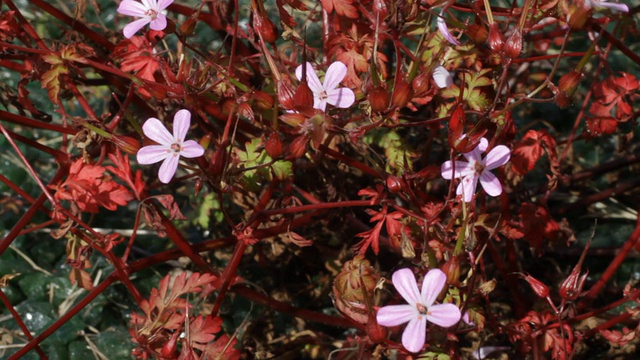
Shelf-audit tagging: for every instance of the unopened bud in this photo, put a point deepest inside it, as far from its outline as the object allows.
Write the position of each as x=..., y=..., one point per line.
x=569, y=81
x=189, y=26
x=477, y=33
x=274, y=145
x=378, y=98
x=513, y=46
x=394, y=184
x=537, y=286
x=577, y=16
x=285, y=94
x=298, y=146
x=263, y=100
x=218, y=161
x=402, y=93
x=126, y=144
x=263, y=26
x=421, y=83
x=452, y=269
x=496, y=40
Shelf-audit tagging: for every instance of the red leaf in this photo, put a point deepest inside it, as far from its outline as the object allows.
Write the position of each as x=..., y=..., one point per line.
x=537, y=224
x=169, y=203
x=597, y=126
x=619, y=338
x=532, y=146
x=342, y=7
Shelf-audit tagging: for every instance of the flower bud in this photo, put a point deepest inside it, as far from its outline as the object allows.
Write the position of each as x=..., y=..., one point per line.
x=377, y=333
x=477, y=33
x=298, y=146
x=496, y=40
x=262, y=25
x=189, y=26
x=378, y=98
x=274, y=145
x=537, y=286
x=452, y=269
x=569, y=81
x=421, y=83
x=513, y=46
x=402, y=93
x=285, y=94
x=218, y=161
x=126, y=144
x=394, y=184
x=577, y=16
x=263, y=100
x=205, y=141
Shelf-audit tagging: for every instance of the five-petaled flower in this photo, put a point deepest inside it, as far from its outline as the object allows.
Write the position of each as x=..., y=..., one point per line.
x=171, y=146
x=328, y=91
x=420, y=309
x=150, y=12
x=476, y=168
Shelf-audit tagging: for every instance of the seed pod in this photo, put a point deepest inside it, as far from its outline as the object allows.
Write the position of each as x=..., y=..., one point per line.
x=378, y=98
x=263, y=100
x=285, y=94
x=394, y=184
x=298, y=146
x=569, y=81
x=262, y=25
x=402, y=93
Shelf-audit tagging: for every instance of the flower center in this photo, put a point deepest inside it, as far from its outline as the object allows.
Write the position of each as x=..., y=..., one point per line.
x=176, y=148
x=479, y=166
x=421, y=309
x=323, y=95
x=152, y=14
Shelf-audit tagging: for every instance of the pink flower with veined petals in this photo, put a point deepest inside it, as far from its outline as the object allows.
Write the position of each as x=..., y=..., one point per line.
x=442, y=77
x=328, y=91
x=171, y=146
x=476, y=168
x=420, y=309
x=150, y=12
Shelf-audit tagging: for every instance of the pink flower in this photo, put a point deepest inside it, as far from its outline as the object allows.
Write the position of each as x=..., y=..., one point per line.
x=603, y=3
x=328, y=92
x=478, y=168
x=420, y=309
x=150, y=12
x=171, y=146
x=444, y=29
x=442, y=77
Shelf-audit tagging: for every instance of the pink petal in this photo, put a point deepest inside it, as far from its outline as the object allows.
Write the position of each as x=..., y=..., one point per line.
x=342, y=97
x=442, y=77
x=150, y=4
x=475, y=155
x=497, y=157
x=467, y=187
x=463, y=168
x=612, y=6
x=132, y=8
x=152, y=154
x=444, y=30
x=191, y=149
x=335, y=74
x=133, y=27
x=181, y=123
x=156, y=131
x=444, y=315
x=432, y=285
x=414, y=334
x=319, y=104
x=168, y=168
x=394, y=315
x=163, y=4
x=490, y=183
x=405, y=282
x=159, y=23
x=312, y=79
